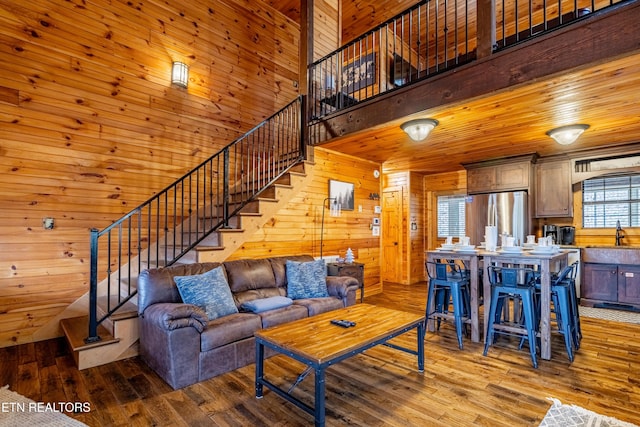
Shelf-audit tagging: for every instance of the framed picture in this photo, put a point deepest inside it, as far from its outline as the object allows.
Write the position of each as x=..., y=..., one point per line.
x=376, y=221
x=343, y=193
x=359, y=73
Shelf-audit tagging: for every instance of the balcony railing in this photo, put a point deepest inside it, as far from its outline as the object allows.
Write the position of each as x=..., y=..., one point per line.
x=428, y=38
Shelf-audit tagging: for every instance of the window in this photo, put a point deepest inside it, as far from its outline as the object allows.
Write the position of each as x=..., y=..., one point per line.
x=605, y=201
x=451, y=217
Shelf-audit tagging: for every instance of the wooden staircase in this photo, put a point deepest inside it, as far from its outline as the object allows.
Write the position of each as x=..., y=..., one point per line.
x=119, y=333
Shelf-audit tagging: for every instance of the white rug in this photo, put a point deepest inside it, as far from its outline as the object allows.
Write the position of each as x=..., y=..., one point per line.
x=17, y=410
x=608, y=314
x=560, y=415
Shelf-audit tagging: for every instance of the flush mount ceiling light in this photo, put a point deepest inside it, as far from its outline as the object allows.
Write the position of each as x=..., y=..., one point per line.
x=419, y=129
x=566, y=135
x=180, y=74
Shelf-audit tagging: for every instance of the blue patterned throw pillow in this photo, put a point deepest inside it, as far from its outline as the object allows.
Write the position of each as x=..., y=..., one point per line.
x=306, y=279
x=209, y=290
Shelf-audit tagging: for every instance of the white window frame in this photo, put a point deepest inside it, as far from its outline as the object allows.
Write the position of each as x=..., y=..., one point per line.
x=609, y=199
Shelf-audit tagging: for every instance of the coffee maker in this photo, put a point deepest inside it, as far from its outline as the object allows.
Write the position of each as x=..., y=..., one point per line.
x=568, y=235
x=551, y=230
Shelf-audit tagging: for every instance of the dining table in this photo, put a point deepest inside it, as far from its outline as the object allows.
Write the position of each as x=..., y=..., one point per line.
x=545, y=262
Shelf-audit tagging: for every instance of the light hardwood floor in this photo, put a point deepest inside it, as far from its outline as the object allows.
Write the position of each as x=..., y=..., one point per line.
x=379, y=388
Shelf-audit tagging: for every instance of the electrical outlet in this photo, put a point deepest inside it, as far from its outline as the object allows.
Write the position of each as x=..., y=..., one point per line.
x=48, y=223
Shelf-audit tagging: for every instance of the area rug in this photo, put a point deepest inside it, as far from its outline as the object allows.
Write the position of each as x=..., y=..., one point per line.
x=560, y=415
x=17, y=410
x=608, y=314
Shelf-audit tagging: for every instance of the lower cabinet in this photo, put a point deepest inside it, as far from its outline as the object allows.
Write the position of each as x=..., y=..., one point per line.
x=611, y=283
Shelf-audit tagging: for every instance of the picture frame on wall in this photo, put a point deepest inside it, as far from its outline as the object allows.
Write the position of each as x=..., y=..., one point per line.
x=342, y=193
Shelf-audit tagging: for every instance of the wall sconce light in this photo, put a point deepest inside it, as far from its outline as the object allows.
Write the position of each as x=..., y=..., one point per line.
x=180, y=74
x=566, y=135
x=419, y=129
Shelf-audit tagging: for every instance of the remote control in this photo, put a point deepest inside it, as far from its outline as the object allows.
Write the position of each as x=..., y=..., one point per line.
x=343, y=323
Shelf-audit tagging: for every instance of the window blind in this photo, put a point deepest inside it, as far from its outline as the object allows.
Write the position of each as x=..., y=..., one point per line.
x=607, y=200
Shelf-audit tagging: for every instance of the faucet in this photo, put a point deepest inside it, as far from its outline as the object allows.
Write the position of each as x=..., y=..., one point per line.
x=619, y=235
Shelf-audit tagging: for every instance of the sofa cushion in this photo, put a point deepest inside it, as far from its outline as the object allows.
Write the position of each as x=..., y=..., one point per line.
x=264, y=304
x=282, y=315
x=306, y=279
x=320, y=305
x=248, y=274
x=229, y=329
x=156, y=285
x=210, y=291
x=279, y=266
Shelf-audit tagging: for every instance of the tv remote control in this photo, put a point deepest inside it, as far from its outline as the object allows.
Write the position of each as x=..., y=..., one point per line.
x=343, y=323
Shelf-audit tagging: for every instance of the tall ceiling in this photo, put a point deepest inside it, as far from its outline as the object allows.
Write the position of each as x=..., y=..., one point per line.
x=508, y=123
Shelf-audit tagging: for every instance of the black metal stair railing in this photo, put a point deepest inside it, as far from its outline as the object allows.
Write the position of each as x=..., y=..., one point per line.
x=169, y=225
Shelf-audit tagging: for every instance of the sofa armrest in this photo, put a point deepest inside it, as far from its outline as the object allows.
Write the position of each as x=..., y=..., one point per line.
x=170, y=316
x=343, y=287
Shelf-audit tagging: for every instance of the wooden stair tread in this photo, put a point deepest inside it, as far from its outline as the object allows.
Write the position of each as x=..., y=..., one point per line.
x=128, y=311
x=208, y=248
x=76, y=329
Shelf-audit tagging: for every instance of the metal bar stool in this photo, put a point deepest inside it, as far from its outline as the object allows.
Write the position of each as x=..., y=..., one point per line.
x=449, y=286
x=506, y=283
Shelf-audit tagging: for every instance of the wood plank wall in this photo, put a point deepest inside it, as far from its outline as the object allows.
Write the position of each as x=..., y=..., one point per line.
x=296, y=229
x=90, y=126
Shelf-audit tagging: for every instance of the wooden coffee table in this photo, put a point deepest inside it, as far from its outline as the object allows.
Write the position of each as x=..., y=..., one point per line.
x=317, y=343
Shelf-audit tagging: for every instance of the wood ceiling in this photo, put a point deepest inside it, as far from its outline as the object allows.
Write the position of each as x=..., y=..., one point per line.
x=511, y=122
x=514, y=122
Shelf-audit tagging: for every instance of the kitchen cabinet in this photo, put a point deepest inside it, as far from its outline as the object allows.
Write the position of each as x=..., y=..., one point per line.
x=354, y=269
x=553, y=192
x=611, y=284
x=502, y=175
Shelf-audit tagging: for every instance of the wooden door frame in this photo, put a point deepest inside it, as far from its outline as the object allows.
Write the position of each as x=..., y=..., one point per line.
x=401, y=231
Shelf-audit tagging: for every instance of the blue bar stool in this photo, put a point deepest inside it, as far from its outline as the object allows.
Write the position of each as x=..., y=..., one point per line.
x=448, y=286
x=573, y=304
x=565, y=306
x=507, y=283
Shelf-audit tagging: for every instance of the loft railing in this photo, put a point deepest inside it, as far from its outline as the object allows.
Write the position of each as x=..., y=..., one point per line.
x=519, y=20
x=428, y=38
x=169, y=225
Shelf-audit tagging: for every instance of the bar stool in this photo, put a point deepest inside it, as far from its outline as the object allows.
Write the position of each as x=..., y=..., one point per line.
x=449, y=286
x=506, y=283
x=575, y=312
x=561, y=298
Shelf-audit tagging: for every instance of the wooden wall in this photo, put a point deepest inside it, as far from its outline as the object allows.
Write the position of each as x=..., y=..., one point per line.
x=90, y=126
x=296, y=229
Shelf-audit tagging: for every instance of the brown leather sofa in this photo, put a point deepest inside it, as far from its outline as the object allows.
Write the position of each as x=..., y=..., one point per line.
x=182, y=346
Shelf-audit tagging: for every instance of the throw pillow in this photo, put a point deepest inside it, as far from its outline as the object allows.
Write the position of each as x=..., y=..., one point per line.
x=209, y=290
x=306, y=279
x=264, y=304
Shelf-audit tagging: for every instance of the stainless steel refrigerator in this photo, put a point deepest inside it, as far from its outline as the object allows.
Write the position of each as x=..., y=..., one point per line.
x=509, y=211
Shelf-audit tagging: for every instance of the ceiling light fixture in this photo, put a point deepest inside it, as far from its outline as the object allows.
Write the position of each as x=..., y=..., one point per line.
x=180, y=74
x=419, y=129
x=566, y=135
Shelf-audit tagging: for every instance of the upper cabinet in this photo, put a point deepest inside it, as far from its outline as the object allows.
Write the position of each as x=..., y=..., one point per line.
x=553, y=195
x=500, y=175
